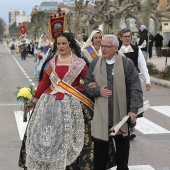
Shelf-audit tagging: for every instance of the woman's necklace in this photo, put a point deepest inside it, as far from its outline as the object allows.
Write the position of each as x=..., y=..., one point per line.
x=64, y=59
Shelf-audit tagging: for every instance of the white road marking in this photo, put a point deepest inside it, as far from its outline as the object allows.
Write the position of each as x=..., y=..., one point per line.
x=33, y=84
x=24, y=72
x=138, y=167
x=162, y=109
x=145, y=126
x=20, y=124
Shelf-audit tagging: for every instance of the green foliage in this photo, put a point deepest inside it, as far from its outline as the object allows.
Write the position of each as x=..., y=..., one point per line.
x=13, y=30
x=2, y=26
x=153, y=71
x=39, y=24
x=165, y=74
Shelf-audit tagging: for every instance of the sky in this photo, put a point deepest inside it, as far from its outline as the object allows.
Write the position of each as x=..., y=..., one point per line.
x=25, y=5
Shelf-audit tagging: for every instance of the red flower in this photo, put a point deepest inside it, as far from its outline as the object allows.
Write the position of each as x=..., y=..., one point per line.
x=40, y=57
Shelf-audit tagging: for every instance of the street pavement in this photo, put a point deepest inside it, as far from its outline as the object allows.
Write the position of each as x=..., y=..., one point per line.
x=150, y=150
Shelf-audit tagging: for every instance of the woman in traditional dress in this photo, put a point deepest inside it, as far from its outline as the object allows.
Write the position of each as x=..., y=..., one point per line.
x=58, y=128
x=43, y=46
x=91, y=49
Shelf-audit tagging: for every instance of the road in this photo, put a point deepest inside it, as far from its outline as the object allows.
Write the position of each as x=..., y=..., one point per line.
x=150, y=150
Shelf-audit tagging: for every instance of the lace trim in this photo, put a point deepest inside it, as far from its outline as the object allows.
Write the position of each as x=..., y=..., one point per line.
x=55, y=133
x=74, y=70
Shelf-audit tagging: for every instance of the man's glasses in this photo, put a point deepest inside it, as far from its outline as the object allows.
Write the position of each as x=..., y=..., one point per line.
x=107, y=46
x=126, y=36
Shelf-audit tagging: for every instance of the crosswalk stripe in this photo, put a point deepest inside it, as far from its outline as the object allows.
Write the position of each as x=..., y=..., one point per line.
x=162, y=109
x=138, y=167
x=20, y=124
x=145, y=126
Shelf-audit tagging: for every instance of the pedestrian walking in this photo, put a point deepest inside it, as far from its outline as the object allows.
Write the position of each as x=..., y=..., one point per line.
x=158, y=44
x=12, y=46
x=23, y=48
x=151, y=41
x=143, y=39
x=135, y=54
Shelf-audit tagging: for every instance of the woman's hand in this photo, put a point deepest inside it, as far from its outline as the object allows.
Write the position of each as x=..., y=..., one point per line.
x=29, y=106
x=92, y=85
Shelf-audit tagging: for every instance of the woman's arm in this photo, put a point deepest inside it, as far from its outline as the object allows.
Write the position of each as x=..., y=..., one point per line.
x=42, y=86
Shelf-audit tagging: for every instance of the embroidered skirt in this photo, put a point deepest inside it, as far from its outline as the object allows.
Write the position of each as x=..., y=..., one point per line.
x=54, y=136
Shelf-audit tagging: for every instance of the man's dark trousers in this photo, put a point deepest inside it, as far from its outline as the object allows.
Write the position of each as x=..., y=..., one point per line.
x=101, y=150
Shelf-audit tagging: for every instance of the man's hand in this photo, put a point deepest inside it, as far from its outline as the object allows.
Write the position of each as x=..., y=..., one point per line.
x=148, y=87
x=92, y=85
x=105, y=92
x=132, y=116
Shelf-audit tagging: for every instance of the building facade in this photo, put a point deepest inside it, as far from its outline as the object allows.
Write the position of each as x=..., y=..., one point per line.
x=164, y=8
x=17, y=15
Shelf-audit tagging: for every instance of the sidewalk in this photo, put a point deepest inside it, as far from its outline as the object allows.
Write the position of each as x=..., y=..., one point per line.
x=159, y=62
x=160, y=65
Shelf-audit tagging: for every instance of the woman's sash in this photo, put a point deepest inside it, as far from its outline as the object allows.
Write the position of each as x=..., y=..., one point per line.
x=71, y=90
x=91, y=51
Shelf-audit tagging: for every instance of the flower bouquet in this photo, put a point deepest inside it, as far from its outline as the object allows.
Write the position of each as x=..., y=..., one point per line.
x=24, y=95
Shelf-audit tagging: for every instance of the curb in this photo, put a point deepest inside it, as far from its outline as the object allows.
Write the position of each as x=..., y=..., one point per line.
x=160, y=82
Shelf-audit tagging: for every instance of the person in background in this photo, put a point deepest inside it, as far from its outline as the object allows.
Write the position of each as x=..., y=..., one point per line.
x=43, y=46
x=31, y=48
x=12, y=46
x=23, y=48
x=79, y=40
x=135, y=54
x=143, y=39
x=54, y=138
x=151, y=41
x=134, y=38
x=158, y=44
x=114, y=75
x=91, y=49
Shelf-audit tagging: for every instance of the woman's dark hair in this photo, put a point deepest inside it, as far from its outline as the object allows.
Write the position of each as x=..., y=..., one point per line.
x=72, y=43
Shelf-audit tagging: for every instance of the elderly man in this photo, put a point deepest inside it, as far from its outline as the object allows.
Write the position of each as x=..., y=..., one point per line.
x=114, y=83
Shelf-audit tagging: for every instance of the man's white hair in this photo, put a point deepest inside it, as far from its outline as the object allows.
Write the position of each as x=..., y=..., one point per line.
x=115, y=41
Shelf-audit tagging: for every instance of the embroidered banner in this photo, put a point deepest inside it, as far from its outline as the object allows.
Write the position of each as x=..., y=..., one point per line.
x=71, y=90
x=57, y=24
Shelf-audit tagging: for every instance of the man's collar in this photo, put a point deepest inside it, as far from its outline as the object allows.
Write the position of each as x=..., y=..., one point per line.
x=126, y=47
x=112, y=61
